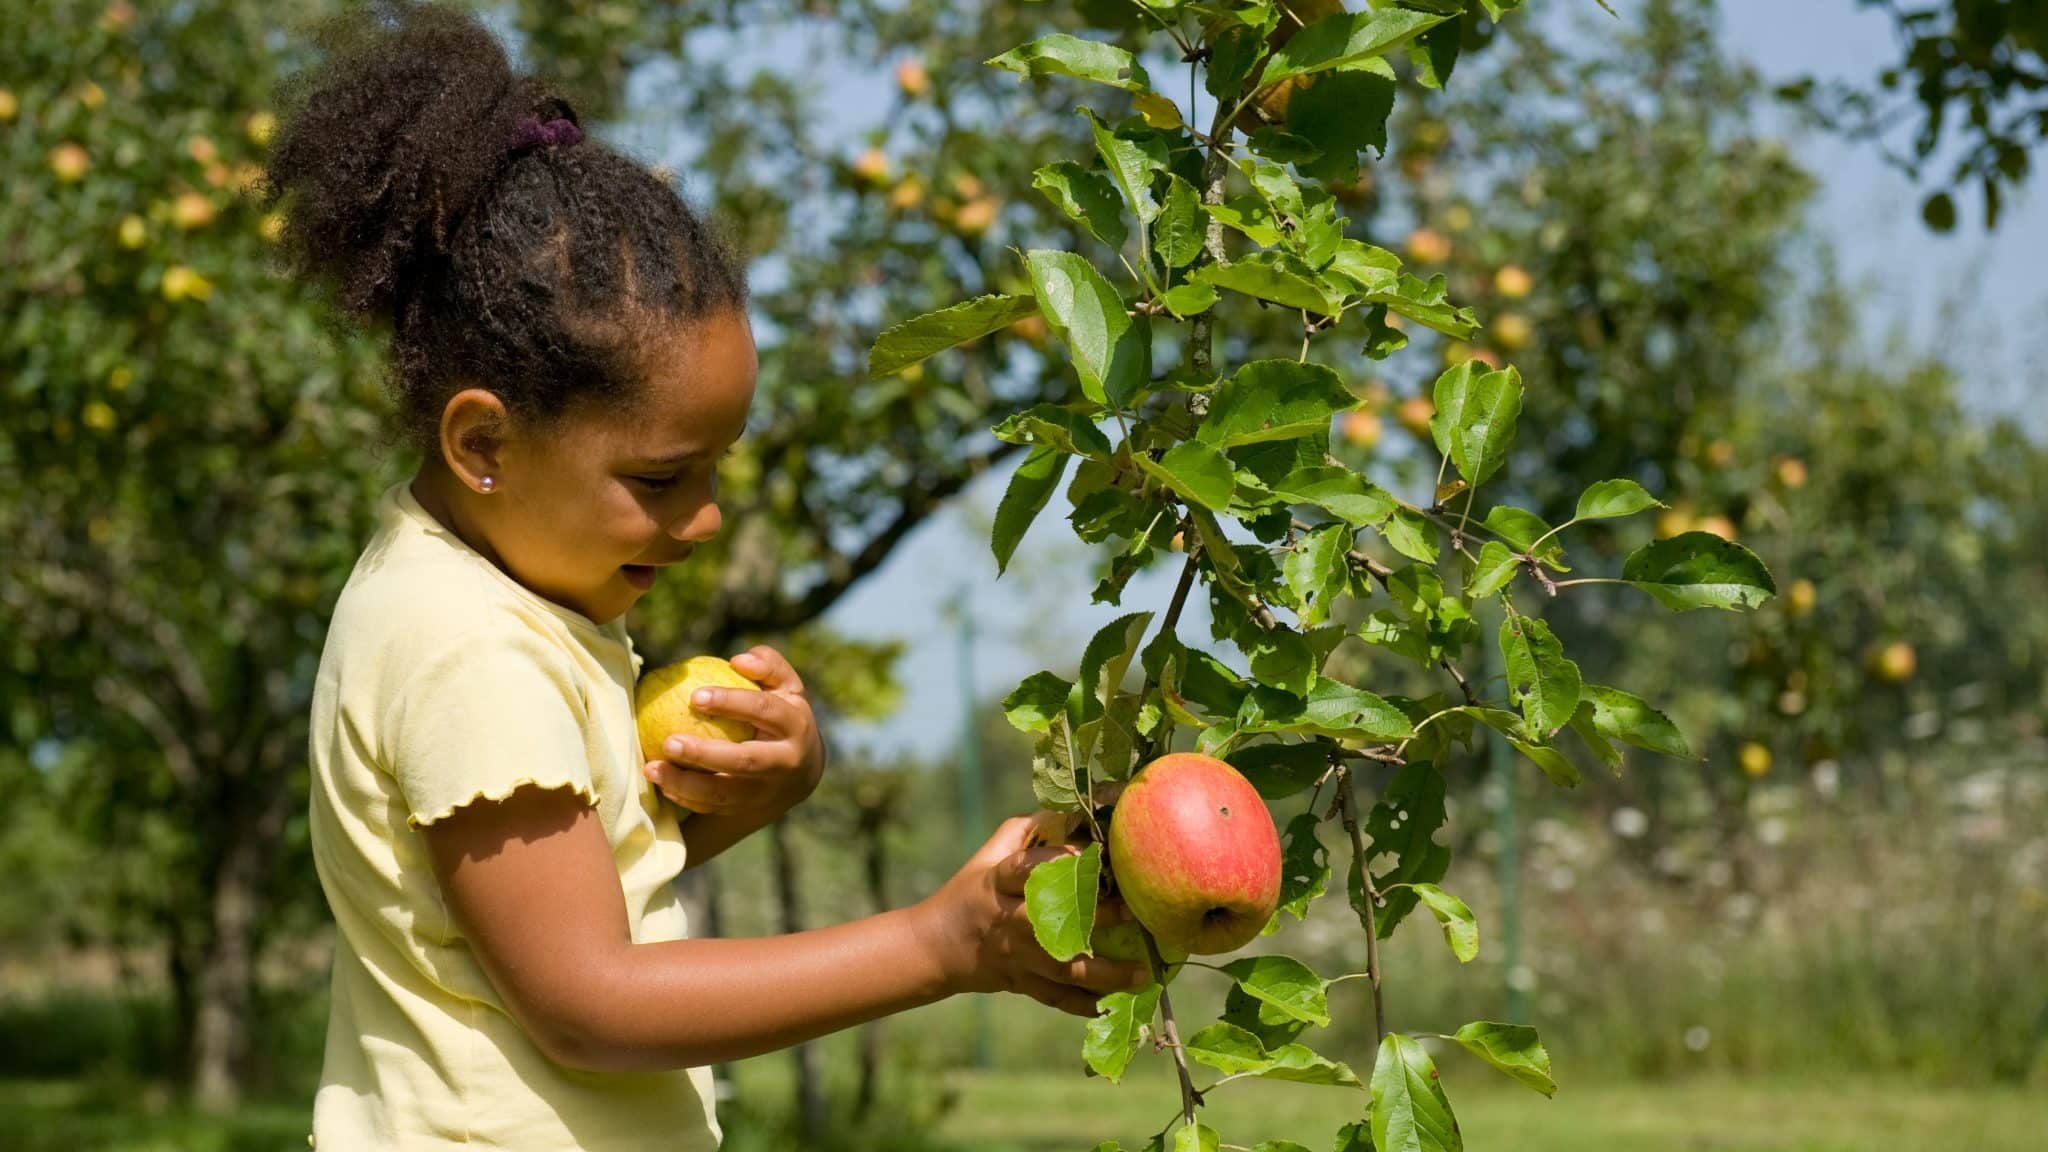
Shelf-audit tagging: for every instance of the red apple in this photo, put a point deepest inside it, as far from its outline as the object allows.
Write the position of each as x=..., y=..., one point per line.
x=1195, y=854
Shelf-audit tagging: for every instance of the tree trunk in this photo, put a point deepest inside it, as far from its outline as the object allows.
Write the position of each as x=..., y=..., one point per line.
x=225, y=1010
x=810, y=1096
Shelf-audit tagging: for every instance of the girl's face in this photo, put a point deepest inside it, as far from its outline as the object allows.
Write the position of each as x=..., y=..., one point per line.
x=587, y=516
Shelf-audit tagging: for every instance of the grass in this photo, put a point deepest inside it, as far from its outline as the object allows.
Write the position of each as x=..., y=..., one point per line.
x=1002, y=1112
x=1015, y=1112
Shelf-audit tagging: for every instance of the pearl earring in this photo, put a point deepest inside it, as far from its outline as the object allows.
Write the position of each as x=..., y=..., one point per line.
x=488, y=483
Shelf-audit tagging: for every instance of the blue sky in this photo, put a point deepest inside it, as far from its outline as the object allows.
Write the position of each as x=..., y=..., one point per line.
x=1869, y=211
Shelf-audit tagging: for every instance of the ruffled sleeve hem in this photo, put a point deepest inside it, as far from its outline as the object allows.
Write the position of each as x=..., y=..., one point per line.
x=503, y=792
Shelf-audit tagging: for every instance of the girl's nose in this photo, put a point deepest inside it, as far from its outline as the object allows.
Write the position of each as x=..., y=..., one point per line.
x=701, y=526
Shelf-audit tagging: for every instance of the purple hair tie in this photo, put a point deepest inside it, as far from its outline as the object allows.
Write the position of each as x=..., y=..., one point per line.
x=559, y=133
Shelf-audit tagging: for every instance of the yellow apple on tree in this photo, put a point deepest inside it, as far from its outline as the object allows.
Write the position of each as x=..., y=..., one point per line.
x=1513, y=282
x=1195, y=854
x=1755, y=759
x=1894, y=663
x=1801, y=596
x=662, y=708
x=1414, y=414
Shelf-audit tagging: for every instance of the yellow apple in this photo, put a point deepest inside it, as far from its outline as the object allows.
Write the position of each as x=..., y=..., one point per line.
x=1414, y=414
x=1513, y=331
x=1513, y=282
x=662, y=707
x=912, y=78
x=1755, y=758
x=1801, y=596
x=1895, y=662
x=1361, y=428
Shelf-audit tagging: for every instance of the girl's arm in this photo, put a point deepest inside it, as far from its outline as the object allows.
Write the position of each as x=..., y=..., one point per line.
x=531, y=882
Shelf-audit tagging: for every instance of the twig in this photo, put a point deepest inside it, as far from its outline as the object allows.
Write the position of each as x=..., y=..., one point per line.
x=1347, y=797
x=1189, y=1098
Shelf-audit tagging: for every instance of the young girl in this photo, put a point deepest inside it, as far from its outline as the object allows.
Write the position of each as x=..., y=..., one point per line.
x=571, y=356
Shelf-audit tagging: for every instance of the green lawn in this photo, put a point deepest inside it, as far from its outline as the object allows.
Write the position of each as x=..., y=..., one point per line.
x=1030, y=1114
x=1043, y=1113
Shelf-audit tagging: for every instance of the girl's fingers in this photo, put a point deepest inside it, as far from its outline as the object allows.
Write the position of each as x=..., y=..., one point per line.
x=772, y=716
x=1052, y=993
x=1100, y=974
x=745, y=758
x=700, y=791
x=1010, y=872
x=768, y=668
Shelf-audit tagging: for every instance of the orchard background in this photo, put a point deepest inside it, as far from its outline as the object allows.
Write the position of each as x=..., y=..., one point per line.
x=1821, y=933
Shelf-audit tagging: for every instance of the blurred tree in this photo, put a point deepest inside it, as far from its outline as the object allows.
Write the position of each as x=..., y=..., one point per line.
x=1635, y=239
x=190, y=453
x=1973, y=74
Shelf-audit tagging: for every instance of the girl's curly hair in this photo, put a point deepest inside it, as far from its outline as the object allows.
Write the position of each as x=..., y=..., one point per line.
x=437, y=189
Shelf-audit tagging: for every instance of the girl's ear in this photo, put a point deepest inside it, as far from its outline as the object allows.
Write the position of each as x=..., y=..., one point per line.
x=473, y=427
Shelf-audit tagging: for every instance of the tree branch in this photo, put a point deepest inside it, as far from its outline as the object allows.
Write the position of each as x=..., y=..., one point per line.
x=843, y=572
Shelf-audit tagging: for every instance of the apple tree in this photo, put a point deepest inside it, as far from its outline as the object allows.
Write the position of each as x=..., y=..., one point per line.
x=1162, y=448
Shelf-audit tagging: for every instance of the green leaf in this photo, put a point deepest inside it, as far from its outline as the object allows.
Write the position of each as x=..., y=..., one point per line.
x=1340, y=492
x=1281, y=658
x=1062, y=55
x=1409, y=1110
x=1087, y=197
x=1281, y=770
x=1052, y=767
x=1131, y=164
x=1589, y=732
x=1512, y=1048
x=1030, y=487
x=1492, y=572
x=1180, y=230
x=1112, y=354
x=1435, y=53
x=1055, y=426
x=1332, y=708
x=1426, y=302
x=1304, y=865
x=1353, y=1137
x=900, y=346
x=1522, y=529
x=1610, y=499
x=1475, y=418
x=1185, y=300
x=1195, y=472
x=1403, y=822
x=1272, y=276
x=1274, y=400
x=1228, y=1049
x=1283, y=982
x=1561, y=771
x=1034, y=703
x=1196, y=1138
x=1273, y=1027
x=1699, y=570
x=1103, y=663
x=1117, y=1030
x=1410, y=533
x=1621, y=716
x=1059, y=898
x=1296, y=1062
x=1461, y=931
x=1345, y=41
x=1317, y=571
x=1540, y=678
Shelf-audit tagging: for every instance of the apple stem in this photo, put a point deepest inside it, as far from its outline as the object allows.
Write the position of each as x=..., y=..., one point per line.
x=1188, y=1096
x=1347, y=806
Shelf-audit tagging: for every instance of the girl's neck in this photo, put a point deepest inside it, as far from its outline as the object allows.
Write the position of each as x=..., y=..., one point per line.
x=452, y=503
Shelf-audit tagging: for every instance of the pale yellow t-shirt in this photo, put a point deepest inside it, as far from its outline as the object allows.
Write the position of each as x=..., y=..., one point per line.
x=444, y=680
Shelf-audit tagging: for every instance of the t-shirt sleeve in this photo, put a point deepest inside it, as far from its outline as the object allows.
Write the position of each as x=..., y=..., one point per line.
x=484, y=714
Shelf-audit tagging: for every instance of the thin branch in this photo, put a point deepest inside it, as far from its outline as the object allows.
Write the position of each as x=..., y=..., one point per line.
x=1189, y=1098
x=1347, y=799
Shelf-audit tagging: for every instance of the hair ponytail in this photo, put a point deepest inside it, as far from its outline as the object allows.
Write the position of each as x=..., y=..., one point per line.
x=440, y=191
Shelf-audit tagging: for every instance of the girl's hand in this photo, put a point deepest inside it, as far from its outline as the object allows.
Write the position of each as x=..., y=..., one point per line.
x=760, y=778
x=976, y=926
